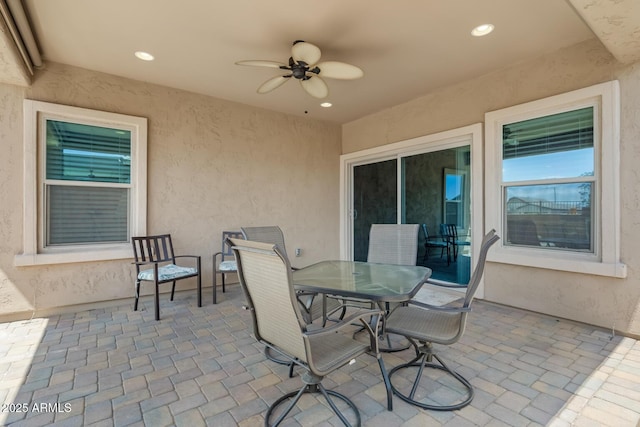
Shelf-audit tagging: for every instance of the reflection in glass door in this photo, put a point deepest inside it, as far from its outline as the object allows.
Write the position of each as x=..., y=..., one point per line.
x=436, y=191
x=430, y=180
x=374, y=201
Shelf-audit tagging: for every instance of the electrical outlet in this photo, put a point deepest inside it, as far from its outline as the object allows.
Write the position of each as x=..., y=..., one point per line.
x=298, y=251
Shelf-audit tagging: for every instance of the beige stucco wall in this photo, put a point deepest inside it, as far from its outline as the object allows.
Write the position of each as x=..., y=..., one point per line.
x=608, y=302
x=213, y=165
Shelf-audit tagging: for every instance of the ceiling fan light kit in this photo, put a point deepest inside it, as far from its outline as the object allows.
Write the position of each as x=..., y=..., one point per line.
x=303, y=65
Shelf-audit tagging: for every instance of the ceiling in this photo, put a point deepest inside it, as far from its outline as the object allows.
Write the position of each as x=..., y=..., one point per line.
x=406, y=48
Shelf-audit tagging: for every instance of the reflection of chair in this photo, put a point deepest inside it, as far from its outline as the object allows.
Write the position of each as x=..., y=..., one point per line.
x=157, y=252
x=224, y=262
x=426, y=324
x=450, y=231
x=428, y=243
x=266, y=279
x=522, y=232
x=393, y=244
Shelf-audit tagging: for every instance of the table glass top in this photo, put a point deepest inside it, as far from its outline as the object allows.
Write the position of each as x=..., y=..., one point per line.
x=381, y=282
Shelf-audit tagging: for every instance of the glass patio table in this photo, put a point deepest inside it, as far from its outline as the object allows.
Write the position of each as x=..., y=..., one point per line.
x=380, y=283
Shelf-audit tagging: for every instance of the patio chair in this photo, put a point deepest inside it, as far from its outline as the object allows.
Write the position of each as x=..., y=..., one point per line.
x=266, y=234
x=393, y=244
x=157, y=252
x=429, y=243
x=224, y=262
x=266, y=279
x=427, y=324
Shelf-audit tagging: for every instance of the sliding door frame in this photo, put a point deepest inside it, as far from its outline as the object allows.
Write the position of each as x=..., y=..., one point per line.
x=469, y=135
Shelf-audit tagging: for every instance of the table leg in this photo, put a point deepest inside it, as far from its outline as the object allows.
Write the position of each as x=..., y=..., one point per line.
x=385, y=337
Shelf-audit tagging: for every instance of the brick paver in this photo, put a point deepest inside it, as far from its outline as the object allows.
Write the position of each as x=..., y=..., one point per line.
x=201, y=366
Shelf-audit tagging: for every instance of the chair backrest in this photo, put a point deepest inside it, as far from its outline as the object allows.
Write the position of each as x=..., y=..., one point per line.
x=450, y=231
x=487, y=241
x=393, y=244
x=153, y=248
x=425, y=231
x=266, y=280
x=226, y=250
x=266, y=234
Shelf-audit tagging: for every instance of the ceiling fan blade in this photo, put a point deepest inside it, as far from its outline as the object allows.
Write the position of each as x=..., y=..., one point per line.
x=305, y=52
x=261, y=63
x=339, y=70
x=315, y=87
x=273, y=83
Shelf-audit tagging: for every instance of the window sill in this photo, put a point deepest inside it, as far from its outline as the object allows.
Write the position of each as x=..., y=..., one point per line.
x=66, y=257
x=569, y=263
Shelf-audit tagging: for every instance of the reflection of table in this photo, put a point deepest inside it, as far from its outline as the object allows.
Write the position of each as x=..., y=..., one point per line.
x=379, y=283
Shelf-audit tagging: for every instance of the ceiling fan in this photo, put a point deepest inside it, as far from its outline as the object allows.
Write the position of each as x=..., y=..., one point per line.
x=304, y=66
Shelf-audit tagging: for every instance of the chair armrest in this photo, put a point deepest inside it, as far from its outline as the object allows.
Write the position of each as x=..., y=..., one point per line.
x=196, y=258
x=443, y=308
x=346, y=322
x=374, y=332
x=444, y=285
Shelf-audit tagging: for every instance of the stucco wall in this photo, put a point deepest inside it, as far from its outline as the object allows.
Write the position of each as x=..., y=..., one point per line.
x=607, y=302
x=213, y=165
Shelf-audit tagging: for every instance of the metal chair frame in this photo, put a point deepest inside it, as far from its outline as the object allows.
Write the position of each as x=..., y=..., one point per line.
x=450, y=231
x=429, y=243
x=157, y=253
x=267, y=264
x=424, y=324
x=225, y=254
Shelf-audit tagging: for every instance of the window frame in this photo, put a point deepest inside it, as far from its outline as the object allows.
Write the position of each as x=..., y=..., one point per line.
x=35, y=115
x=605, y=258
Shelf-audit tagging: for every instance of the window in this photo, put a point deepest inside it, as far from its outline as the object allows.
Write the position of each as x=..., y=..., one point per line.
x=552, y=182
x=455, y=197
x=85, y=184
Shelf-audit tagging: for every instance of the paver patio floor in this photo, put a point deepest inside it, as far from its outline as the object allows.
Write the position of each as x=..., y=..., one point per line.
x=201, y=366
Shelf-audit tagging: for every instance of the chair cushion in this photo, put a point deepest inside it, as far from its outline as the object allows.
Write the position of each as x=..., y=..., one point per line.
x=228, y=266
x=167, y=272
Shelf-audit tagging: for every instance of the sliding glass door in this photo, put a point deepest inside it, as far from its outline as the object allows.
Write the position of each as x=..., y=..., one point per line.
x=430, y=183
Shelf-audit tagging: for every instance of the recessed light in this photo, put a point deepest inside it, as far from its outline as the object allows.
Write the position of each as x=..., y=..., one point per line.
x=326, y=104
x=482, y=30
x=144, y=56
